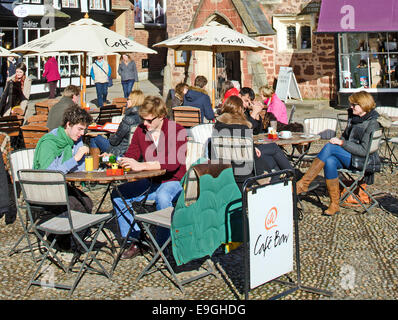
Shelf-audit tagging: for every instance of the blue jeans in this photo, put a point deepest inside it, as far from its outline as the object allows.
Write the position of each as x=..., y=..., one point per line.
x=127, y=87
x=101, y=143
x=164, y=195
x=102, y=93
x=334, y=157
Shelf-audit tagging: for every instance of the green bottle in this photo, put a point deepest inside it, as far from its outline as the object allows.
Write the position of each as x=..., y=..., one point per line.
x=112, y=158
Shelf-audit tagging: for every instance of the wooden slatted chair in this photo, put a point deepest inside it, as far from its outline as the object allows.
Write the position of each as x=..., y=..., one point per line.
x=11, y=125
x=120, y=102
x=35, y=128
x=107, y=112
x=43, y=107
x=186, y=116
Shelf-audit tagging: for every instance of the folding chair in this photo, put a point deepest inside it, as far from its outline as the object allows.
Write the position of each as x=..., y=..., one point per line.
x=191, y=197
x=342, y=119
x=236, y=150
x=21, y=159
x=325, y=127
x=49, y=188
x=350, y=178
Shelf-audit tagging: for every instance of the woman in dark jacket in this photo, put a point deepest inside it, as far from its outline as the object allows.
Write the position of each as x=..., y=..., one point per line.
x=233, y=122
x=348, y=151
x=118, y=142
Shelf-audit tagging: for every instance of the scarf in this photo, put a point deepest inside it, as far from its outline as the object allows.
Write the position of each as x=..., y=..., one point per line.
x=354, y=119
x=51, y=146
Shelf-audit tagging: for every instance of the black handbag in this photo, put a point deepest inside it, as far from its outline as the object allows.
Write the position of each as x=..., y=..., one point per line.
x=373, y=165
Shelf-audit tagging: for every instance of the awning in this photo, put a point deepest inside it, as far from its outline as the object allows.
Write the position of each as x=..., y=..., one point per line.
x=358, y=16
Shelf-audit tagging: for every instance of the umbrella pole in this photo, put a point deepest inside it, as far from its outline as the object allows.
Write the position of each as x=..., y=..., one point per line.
x=213, y=102
x=83, y=66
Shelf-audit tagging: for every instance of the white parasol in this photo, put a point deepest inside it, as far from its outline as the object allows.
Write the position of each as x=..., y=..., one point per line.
x=215, y=38
x=5, y=53
x=85, y=35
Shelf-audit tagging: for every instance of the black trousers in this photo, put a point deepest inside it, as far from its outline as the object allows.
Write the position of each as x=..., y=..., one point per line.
x=4, y=196
x=272, y=158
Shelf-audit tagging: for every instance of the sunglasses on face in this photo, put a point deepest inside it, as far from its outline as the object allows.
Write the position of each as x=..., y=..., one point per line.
x=148, y=120
x=353, y=105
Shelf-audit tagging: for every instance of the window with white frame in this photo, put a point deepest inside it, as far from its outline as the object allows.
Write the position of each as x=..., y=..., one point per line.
x=150, y=11
x=97, y=4
x=70, y=3
x=294, y=33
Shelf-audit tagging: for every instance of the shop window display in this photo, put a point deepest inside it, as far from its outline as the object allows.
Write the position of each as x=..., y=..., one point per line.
x=368, y=60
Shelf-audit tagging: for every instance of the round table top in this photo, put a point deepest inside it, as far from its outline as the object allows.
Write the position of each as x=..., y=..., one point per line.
x=101, y=177
x=297, y=138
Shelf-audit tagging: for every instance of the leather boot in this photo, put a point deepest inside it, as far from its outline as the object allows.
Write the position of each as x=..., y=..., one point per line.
x=334, y=194
x=95, y=152
x=303, y=184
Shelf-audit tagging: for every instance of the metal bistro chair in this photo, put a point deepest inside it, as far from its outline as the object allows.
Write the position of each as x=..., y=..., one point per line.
x=107, y=112
x=236, y=150
x=49, y=188
x=21, y=159
x=350, y=179
x=325, y=127
x=388, y=155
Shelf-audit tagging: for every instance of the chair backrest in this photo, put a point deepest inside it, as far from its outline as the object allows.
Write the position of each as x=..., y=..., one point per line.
x=20, y=159
x=389, y=111
x=132, y=133
x=292, y=111
x=107, y=112
x=43, y=187
x=325, y=127
x=186, y=116
x=342, y=119
x=117, y=119
x=376, y=138
x=202, y=132
x=236, y=150
x=195, y=150
x=35, y=128
x=43, y=107
x=11, y=125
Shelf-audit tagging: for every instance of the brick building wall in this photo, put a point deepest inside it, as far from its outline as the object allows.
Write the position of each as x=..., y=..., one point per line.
x=146, y=35
x=315, y=71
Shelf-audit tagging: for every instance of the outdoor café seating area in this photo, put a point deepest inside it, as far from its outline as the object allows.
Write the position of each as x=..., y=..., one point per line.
x=330, y=250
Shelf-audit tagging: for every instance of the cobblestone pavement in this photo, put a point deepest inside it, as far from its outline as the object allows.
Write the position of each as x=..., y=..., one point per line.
x=352, y=254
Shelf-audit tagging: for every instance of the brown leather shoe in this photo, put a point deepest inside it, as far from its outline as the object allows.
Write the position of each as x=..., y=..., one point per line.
x=334, y=194
x=303, y=184
x=131, y=252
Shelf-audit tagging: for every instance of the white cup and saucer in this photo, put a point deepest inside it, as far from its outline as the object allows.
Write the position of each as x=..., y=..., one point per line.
x=285, y=134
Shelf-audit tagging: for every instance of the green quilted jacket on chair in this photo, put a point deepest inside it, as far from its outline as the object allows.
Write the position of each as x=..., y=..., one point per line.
x=198, y=229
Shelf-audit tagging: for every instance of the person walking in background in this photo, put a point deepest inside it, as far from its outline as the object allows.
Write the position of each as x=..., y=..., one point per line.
x=100, y=73
x=70, y=96
x=11, y=67
x=128, y=72
x=16, y=93
x=52, y=75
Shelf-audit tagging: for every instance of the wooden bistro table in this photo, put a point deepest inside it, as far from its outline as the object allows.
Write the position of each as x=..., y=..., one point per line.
x=297, y=139
x=114, y=182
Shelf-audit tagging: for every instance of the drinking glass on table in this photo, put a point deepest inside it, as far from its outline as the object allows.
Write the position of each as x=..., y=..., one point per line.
x=274, y=125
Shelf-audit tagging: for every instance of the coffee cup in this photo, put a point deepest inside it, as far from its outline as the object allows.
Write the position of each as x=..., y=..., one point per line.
x=285, y=134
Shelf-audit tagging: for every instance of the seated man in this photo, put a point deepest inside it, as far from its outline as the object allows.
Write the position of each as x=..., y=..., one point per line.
x=70, y=96
x=62, y=149
x=252, y=110
x=197, y=97
x=161, y=143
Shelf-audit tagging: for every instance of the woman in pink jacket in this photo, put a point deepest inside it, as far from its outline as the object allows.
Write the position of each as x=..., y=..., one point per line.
x=274, y=104
x=52, y=75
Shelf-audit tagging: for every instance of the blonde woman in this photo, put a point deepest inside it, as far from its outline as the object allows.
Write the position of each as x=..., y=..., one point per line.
x=347, y=152
x=118, y=142
x=273, y=104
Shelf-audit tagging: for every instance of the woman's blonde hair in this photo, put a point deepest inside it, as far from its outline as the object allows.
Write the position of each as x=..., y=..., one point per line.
x=266, y=91
x=364, y=99
x=154, y=106
x=136, y=97
x=179, y=90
